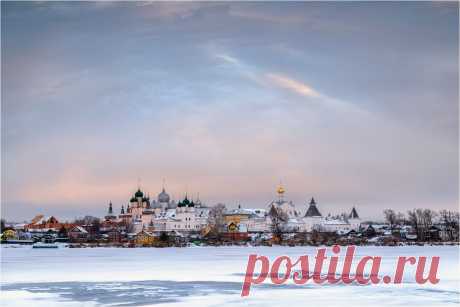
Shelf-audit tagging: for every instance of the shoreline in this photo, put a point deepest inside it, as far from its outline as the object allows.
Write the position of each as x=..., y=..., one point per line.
x=101, y=245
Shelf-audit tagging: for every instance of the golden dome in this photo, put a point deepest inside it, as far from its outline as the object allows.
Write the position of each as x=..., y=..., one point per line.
x=280, y=189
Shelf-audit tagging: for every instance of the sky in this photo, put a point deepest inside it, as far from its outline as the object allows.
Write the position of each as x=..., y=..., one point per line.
x=355, y=104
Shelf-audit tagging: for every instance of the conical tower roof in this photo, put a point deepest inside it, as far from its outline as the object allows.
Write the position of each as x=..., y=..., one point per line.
x=312, y=209
x=353, y=214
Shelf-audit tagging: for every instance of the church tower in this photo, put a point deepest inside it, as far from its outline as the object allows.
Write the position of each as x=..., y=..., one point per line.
x=110, y=215
x=280, y=191
x=313, y=218
x=354, y=220
x=286, y=206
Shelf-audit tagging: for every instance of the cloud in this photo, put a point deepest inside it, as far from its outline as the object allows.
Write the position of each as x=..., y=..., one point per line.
x=337, y=105
x=255, y=13
x=269, y=79
x=228, y=59
x=292, y=85
x=228, y=105
x=275, y=81
x=171, y=10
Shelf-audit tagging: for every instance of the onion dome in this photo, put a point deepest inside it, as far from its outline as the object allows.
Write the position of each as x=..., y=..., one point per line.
x=180, y=204
x=280, y=190
x=133, y=200
x=139, y=193
x=192, y=204
x=122, y=210
x=186, y=202
x=163, y=197
x=198, y=201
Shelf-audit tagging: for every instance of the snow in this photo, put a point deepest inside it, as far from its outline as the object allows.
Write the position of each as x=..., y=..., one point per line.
x=79, y=229
x=203, y=276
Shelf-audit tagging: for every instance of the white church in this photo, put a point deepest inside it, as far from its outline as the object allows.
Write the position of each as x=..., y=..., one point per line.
x=312, y=219
x=295, y=220
x=187, y=216
x=163, y=214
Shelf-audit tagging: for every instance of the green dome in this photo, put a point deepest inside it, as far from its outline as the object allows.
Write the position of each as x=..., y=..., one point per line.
x=139, y=193
x=133, y=200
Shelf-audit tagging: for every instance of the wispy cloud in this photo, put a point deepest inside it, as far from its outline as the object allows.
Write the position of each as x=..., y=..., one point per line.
x=256, y=14
x=292, y=85
x=276, y=81
x=228, y=59
x=168, y=10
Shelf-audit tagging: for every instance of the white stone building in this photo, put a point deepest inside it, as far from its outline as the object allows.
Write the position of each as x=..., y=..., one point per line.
x=187, y=216
x=313, y=219
x=293, y=217
x=163, y=214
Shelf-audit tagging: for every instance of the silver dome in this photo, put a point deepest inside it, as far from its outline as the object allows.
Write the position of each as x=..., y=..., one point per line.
x=172, y=205
x=163, y=197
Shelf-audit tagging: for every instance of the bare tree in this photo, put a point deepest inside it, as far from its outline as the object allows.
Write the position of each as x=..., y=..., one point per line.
x=450, y=222
x=400, y=218
x=87, y=220
x=62, y=232
x=278, y=220
x=96, y=225
x=130, y=227
x=216, y=218
x=413, y=221
x=421, y=220
x=390, y=217
x=315, y=236
x=428, y=217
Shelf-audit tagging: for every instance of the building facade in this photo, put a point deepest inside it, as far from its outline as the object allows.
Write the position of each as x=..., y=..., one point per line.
x=293, y=220
x=161, y=214
x=187, y=216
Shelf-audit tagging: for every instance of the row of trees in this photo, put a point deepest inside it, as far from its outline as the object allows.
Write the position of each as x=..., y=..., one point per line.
x=422, y=220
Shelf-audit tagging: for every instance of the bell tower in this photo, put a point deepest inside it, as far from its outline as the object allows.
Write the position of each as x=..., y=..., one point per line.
x=280, y=191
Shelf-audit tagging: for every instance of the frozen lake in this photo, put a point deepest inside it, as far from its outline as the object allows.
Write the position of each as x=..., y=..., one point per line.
x=204, y=276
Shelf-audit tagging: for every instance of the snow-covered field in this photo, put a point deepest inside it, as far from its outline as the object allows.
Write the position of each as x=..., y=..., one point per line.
x=204, y=276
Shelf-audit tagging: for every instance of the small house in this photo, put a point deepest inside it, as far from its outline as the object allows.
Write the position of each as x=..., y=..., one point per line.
x=144, y=238
x=78, y=234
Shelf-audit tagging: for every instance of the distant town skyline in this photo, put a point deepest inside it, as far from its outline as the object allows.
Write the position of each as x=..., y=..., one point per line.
x=355, y=104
